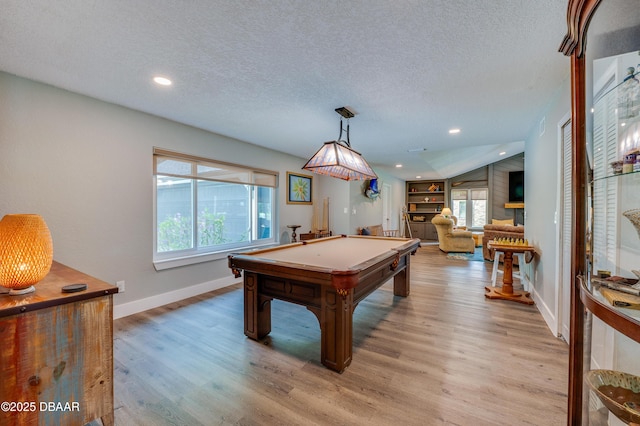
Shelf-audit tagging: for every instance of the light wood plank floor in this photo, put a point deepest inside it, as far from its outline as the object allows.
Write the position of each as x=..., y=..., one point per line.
x=445, y=355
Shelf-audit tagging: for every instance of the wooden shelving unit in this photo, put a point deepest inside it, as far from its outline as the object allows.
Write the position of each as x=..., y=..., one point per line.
x=425, y=199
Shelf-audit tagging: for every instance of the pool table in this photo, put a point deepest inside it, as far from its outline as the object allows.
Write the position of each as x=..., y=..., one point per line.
x=329, y=276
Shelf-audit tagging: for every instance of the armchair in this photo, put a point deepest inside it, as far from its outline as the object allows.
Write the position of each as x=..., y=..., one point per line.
x=450, y=240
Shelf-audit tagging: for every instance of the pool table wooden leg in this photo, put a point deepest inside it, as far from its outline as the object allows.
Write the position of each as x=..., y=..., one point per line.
x=401, y=281
x=336, y=329
x=257, y=309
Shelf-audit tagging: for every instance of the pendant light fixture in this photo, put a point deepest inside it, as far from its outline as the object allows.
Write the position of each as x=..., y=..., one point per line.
x=337, y=159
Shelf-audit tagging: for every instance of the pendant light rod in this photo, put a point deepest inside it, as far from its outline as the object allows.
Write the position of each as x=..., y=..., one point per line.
x=347, y=142
x=347, y=112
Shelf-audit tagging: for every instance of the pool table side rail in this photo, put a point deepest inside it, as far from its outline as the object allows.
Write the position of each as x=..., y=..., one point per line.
x=340, y=279
x=304, y=292
x=256, y=252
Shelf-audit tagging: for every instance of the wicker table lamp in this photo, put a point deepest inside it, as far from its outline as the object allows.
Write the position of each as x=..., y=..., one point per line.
x=26, y=252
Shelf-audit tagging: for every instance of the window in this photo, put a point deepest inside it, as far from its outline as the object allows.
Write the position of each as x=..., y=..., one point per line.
x=470, y=206
x=206, y=207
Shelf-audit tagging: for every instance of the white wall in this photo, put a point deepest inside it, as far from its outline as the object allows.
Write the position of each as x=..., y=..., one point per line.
x=338, y=193
x=370, y=212
x=541, y=183
x=86, y=167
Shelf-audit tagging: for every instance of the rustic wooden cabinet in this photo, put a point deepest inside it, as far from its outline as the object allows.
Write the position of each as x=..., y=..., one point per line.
x=56, y=352
x=425, y=199
x=614, y=28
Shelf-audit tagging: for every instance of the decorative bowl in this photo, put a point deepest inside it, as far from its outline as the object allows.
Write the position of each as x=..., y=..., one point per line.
x=634, y=218
x=618, y=391
x=617, y=167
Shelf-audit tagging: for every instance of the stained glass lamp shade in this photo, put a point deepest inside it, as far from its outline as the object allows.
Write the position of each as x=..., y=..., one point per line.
x=26, y=252
x=340, y=161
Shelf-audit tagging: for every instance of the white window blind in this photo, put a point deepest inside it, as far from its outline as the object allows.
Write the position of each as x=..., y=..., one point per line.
x=169, y=163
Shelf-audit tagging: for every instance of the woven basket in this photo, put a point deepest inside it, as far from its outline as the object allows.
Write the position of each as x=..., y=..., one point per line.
x=26, y=250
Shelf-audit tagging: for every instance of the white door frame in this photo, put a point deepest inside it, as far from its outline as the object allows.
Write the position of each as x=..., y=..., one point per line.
x=562, y=308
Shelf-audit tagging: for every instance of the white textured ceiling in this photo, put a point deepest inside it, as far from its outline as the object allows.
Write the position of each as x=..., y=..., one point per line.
x=272, y=72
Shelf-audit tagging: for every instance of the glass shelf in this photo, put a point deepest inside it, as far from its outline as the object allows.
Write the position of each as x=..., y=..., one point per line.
x=626, y=321
x=617, y=176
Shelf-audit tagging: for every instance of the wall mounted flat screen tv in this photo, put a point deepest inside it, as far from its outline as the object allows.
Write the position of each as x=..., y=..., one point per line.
x=516, y=186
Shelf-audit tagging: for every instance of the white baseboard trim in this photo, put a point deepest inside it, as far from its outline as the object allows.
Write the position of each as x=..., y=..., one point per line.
x=141, y=305
x=547, y=314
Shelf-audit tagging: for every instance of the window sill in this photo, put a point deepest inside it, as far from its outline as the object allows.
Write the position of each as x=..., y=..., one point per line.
x=176, y=262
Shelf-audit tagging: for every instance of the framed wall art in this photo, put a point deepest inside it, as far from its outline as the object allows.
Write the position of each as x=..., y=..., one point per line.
x=299, y=188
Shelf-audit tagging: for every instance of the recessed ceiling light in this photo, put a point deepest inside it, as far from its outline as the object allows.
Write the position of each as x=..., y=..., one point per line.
x=162, y=81
x=398, y=165
x=418, y=177
x=416, y=149
x=503, y=153
x=454, y=131
x=623, y=124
